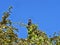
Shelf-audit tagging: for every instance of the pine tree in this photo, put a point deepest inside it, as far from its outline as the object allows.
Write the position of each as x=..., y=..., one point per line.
x=7, y=35
x=35, y=36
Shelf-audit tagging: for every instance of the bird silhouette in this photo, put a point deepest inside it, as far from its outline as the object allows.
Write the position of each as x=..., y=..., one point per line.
x=29, y=22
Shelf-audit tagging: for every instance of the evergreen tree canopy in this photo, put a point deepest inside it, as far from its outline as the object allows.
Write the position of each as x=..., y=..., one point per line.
x=35, y=36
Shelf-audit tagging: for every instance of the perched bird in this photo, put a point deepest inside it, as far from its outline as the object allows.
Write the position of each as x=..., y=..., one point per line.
x=29, y=22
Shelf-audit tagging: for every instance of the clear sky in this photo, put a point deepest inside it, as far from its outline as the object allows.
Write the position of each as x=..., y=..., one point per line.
x=45, y=13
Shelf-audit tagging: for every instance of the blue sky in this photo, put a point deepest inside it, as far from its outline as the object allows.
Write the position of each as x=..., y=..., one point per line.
x=45, y=13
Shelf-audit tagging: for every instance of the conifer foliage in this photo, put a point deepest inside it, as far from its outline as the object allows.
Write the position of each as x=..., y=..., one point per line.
x=35, y=36
x=7, y=35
